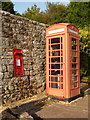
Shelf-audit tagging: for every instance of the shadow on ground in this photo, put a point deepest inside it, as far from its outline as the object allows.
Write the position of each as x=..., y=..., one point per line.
x=31, y=108
x=85, y=89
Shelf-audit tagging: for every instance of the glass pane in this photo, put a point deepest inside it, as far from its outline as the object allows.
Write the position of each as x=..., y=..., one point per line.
x=53, y=47
x=55, y=85
x=73, y=41
x=61, y=46
x=61, y=86
x=49, y=66
x=49, y=78
x=61, y=53
x=74, y=72
x=49, y=41
x=49, y=72
x=55, y=40
x=74, y=53
x=74, y=84
x=49, y=53
x=74, y=78
x=61, y=59
x=74, y=47
x=61, y=79
x=73, y=59
x=49, y=47
x=55, y=53
x=61, y=66
x=61, y=39
x=55, y=79
x=53, y=72
x=55, y=59
x=49, y=59
x=61, y=72
x=73, y=65
x=55, y=66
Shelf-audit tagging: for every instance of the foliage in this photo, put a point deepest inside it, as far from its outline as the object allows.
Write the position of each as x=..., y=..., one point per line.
x=85, y=42
x=86, y=79
x=18, y=14
x=78, y=13
x=85, y=52
x=8, y=6
x=34, y=14
x=56, y=13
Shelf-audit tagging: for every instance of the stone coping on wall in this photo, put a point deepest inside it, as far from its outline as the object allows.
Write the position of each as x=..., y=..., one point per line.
x=22, y=18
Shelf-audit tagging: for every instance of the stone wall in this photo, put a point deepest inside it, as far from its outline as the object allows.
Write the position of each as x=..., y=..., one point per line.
x=28, y=35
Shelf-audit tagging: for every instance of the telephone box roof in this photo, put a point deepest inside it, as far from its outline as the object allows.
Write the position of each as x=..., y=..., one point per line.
x=63, y=24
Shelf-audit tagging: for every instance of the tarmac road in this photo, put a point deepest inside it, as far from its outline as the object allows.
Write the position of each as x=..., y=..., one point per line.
x=75, y=109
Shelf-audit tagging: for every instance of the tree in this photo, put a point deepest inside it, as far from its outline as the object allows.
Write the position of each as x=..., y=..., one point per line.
x=78, y=13
x=8, y=6
x=85, y=52
x=56, y=13
x=18, y=14
x=34, y=14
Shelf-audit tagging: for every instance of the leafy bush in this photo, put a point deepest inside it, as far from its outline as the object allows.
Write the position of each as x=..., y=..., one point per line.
x=84, y=52
x=86, y=79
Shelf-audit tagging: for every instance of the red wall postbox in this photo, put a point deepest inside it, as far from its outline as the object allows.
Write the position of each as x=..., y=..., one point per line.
x=18, y=62
x=62, y=61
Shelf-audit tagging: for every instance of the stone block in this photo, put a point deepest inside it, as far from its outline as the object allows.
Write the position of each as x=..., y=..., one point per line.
x=28, y=35
x=6, y=75
x=1, y=75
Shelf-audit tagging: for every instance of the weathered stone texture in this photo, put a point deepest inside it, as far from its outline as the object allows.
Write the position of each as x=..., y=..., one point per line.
x=28, y=35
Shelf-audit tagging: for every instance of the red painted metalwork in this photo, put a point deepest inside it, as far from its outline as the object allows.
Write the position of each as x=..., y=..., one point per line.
x=62, y=61
x=18, y=62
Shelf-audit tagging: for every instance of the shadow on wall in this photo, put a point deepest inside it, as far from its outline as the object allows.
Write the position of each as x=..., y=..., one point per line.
x=24, y=111
x=85, y=90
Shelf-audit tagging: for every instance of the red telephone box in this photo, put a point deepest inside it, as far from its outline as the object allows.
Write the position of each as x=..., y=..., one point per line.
x=62, y=61
x=18, y=62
